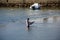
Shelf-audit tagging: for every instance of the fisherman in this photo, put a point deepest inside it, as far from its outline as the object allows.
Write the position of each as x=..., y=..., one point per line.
x=28, y=23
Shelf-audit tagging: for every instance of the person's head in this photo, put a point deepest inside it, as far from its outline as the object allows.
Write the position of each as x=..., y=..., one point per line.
x=27, y=18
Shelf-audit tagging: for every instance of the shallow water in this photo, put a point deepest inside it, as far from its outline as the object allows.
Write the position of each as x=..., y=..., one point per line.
x=13, y=25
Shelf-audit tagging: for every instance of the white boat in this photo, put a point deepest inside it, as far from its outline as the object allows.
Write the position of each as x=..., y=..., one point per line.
x=35, y=6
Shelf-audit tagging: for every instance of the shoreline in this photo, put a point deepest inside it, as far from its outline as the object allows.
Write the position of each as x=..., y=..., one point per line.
x=42, y=8
x=28, y=4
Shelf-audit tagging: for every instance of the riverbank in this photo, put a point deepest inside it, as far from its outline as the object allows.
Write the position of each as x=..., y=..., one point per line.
x=28, y=4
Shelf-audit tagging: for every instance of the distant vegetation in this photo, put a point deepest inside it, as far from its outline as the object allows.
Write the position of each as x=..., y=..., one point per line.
x=27, y=3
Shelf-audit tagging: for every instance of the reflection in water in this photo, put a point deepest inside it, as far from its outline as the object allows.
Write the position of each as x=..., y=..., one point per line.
x=45, y=27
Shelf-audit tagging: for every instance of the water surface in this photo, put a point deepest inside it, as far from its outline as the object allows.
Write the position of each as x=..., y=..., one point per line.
x=13, y=25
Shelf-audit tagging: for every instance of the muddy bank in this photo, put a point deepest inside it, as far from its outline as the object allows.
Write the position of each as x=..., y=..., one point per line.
x=28, y=4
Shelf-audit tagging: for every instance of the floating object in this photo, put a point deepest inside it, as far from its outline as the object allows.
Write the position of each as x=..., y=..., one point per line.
x=35, y=6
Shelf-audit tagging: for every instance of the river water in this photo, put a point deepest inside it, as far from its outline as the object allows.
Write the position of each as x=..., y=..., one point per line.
x=46, y=24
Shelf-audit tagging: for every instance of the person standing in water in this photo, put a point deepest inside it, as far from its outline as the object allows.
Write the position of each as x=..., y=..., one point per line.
x=28, y=23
